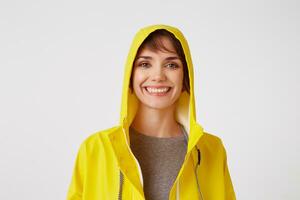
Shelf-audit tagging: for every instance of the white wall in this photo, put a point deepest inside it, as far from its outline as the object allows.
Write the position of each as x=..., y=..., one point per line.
x=61, y=71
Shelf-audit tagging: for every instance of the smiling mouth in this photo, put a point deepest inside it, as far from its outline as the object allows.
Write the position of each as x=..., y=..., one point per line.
x=157, y=91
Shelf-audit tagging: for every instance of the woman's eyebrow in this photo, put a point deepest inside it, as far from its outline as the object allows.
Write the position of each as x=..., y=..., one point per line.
x=145, y=57
x=172, y=58
x=149, y=57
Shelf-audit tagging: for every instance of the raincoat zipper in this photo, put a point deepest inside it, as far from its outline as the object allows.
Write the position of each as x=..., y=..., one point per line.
x=121, y=185
x=121, y=174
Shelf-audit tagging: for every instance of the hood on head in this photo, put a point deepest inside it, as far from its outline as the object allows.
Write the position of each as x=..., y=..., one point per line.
x=185, y=112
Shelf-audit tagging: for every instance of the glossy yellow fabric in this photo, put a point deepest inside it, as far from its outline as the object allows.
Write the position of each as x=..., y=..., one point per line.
x=104, y=153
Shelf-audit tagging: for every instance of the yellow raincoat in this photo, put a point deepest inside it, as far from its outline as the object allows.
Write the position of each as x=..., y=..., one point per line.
x=106, y=169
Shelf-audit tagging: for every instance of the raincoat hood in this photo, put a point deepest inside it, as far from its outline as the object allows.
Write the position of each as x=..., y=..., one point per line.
x=185, y=111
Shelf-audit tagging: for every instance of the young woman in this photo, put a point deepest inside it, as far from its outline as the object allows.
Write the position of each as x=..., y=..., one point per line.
x=158, y=151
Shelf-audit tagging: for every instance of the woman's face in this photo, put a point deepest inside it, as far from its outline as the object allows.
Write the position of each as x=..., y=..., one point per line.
x=158, y=77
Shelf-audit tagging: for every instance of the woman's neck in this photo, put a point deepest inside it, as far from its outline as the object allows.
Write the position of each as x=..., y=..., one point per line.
x=156, y=122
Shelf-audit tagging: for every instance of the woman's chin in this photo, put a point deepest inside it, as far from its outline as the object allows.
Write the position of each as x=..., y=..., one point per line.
x=157, y=105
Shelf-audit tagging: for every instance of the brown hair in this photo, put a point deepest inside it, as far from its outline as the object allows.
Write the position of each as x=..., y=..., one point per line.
x=154, y=43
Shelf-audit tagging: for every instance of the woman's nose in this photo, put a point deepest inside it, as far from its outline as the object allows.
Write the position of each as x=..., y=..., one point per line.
x=158, y=74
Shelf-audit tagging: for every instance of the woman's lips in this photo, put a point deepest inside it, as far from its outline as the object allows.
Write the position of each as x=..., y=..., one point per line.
x=157, y=91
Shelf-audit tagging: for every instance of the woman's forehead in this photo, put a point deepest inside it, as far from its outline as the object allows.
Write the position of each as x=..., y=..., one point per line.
x=149, y=54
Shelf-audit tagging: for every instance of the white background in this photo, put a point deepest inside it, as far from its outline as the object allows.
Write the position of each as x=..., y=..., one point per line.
x=61, y=74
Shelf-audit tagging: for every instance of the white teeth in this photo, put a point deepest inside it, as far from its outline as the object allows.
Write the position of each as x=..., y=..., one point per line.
x=157, y=90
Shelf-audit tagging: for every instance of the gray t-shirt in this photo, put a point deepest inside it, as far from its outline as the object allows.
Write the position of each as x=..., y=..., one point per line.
x=160, y=160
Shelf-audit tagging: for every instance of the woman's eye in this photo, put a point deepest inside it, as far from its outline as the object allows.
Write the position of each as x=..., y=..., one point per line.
x=144, y=64
x=172, y=65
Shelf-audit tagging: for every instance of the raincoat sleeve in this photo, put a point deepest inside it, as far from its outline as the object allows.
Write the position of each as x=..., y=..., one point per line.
x=229, y=190
x=77, y=182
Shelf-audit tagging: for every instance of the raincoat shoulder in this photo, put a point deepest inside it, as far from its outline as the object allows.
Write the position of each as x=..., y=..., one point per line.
x=94, y=159
x=214, y=155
